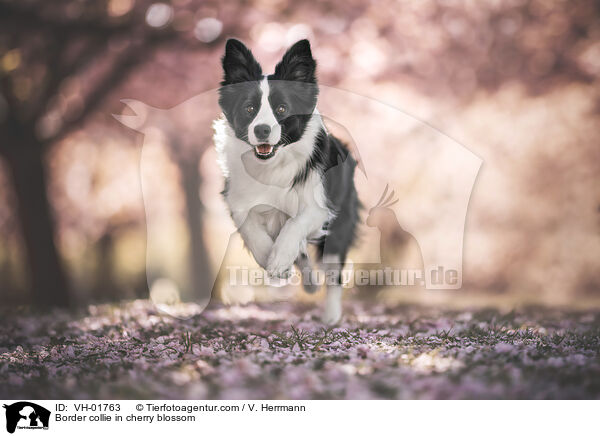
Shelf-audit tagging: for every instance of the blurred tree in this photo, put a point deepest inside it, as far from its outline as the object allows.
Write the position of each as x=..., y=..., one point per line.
x=60, y=61
x=188, y=166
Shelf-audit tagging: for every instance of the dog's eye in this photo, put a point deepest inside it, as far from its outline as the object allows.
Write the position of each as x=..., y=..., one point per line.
x=250, y=109
x=281, y=109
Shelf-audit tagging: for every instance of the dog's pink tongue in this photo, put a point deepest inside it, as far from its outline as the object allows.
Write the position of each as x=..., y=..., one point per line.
x=264, y=148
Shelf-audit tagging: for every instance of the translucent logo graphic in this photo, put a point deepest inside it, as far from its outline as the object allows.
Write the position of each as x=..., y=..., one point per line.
x=413, y=182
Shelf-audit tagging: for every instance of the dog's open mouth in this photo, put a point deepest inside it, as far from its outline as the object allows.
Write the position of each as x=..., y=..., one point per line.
x=265, y=151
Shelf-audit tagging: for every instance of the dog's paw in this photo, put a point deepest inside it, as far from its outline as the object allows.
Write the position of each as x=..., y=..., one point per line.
x=279, y=265
x=276, y=272
x=260, y=250
x=332, y=314
x=279, y=271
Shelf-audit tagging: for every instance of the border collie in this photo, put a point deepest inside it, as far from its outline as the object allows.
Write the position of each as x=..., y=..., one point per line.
x=288, y=182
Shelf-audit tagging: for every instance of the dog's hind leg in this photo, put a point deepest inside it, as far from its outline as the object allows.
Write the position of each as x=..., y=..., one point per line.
x=305, y=267
x=333, y=279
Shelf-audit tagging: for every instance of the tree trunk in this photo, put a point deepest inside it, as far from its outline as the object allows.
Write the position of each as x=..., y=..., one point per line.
x=46, y=274
x=105, y=289
x=199, y=263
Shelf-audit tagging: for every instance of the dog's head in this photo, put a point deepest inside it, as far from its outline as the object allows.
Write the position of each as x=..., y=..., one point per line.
x=268, y=112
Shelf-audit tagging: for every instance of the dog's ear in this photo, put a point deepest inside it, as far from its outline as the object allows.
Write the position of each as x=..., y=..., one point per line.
x=239, y=64
x=297, y=64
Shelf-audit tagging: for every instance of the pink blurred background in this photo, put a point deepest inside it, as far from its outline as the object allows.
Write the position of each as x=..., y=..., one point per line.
x=515, y=82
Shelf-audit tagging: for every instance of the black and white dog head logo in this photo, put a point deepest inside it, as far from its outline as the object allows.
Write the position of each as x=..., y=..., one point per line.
x=26, y=415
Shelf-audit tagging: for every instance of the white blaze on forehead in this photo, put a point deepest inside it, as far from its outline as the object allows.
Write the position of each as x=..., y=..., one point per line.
x=265, y=116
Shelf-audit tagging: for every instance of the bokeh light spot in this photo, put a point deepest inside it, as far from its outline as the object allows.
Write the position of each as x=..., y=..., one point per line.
x=117, y=8
x=208, y=29
x=11, y=60
x=159, y=15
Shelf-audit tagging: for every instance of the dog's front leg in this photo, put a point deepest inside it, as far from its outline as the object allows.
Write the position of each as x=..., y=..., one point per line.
x=292, y=239
x=256, y=238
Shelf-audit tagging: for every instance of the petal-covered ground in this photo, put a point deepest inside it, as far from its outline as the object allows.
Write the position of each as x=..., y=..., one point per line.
x=281, y=351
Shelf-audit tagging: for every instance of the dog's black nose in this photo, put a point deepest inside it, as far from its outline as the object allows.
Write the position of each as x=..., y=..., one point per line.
x=262, y=131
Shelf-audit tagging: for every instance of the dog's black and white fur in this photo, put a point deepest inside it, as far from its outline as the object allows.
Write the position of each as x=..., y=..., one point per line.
x=288, y=182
